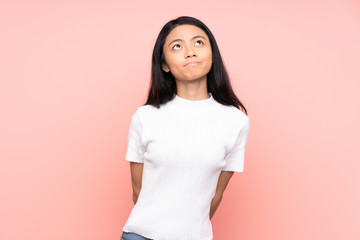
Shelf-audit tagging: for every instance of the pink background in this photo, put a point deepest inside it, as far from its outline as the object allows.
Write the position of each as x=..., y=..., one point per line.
x=73, y=72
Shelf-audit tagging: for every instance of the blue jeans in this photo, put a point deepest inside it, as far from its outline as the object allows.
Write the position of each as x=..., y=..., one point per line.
x=132, y=236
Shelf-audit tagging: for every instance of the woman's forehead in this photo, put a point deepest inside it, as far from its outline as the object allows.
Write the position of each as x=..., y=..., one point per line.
x=185, y=32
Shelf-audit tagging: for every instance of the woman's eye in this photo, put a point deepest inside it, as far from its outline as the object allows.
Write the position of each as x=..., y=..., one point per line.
x=199, y=42
x=174, y=47
x=177, y=46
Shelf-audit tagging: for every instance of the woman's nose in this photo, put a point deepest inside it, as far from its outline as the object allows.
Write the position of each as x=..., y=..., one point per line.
x=190, y=52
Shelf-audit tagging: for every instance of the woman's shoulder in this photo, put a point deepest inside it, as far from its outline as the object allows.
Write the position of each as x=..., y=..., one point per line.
x=230, y=111
x=145, y=111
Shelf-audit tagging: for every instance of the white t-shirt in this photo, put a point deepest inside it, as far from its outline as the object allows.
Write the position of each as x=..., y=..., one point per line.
x=184, y=146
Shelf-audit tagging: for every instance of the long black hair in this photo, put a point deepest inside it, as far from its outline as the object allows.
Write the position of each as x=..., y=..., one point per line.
x=163, y=85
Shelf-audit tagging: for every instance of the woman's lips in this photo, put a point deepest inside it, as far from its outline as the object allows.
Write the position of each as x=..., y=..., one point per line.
x=191, y=63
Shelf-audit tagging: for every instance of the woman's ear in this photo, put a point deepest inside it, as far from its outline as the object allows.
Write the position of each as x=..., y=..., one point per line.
x=165, y=67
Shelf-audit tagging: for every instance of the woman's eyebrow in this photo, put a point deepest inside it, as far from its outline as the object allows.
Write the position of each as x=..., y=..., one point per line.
x=178, y=39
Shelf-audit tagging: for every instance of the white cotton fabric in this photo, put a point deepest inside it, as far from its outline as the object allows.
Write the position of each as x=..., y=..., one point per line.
x=184, y=146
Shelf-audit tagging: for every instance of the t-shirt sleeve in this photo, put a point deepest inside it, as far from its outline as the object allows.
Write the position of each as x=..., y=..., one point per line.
x=135, y=148
x=235, y=157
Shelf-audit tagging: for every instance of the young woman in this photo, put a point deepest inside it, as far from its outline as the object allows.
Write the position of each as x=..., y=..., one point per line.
x=187, y=140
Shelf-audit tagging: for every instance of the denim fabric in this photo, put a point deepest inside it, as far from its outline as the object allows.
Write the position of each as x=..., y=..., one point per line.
x=132, y=236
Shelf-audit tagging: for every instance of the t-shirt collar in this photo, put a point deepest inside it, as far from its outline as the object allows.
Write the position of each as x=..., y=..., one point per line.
x=192, y=106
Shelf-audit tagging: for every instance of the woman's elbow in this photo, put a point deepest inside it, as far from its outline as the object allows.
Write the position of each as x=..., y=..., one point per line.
x=135, y=196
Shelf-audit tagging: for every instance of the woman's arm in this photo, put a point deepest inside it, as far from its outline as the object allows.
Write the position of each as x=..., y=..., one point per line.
x=223, y=181
x=136, y=170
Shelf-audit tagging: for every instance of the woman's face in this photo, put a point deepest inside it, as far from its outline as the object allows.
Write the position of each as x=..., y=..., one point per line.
x=187, y=52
